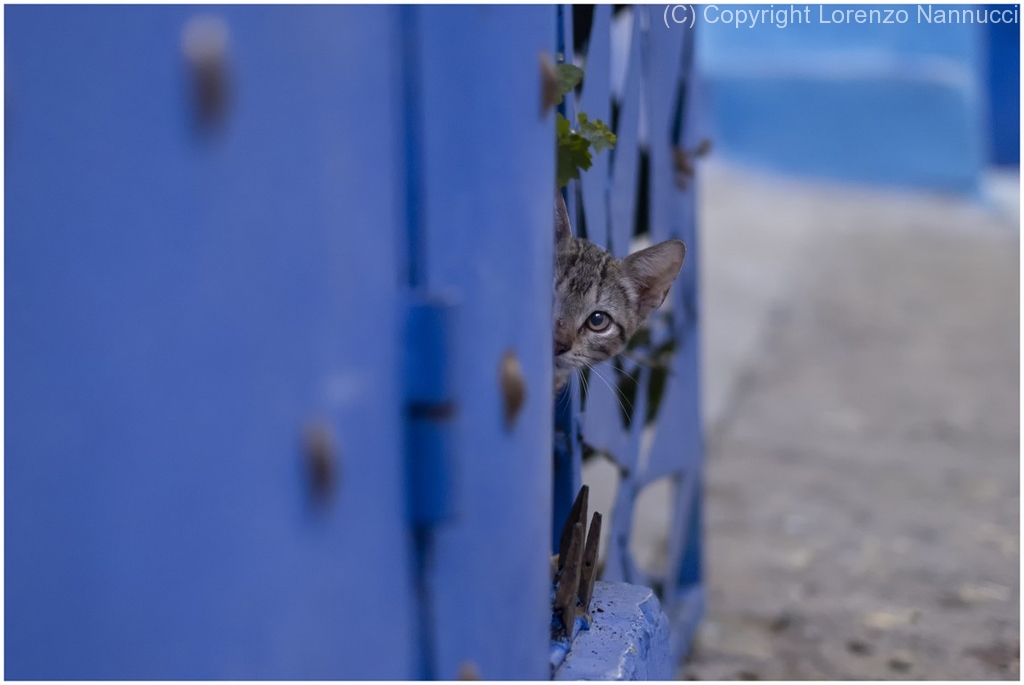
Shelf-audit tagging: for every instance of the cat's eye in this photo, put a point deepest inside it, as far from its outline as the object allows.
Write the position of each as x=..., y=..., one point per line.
x=598, y=321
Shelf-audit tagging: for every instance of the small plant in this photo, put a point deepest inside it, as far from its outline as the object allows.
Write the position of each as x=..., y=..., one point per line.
x=574, y=145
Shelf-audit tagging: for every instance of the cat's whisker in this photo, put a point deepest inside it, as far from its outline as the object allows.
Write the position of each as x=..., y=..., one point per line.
x=627, y=374
x=621, y=370
x=616, y=393
x=650, y=363
x=585, y=382
x=564, y=397
x=614, y=387
x=583, y=377
x=645, y=362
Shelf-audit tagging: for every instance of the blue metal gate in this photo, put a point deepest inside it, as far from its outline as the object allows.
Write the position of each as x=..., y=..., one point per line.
x=272, y=274
x=641, y=411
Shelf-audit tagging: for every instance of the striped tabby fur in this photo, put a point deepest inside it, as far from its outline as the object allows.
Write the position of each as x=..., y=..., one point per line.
x=600, y=301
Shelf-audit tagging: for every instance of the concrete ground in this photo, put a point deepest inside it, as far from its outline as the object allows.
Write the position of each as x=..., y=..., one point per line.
x=862, y=398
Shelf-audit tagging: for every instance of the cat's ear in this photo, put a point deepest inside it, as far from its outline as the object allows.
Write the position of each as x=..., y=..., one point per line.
x=652, y=271
x=562, y=230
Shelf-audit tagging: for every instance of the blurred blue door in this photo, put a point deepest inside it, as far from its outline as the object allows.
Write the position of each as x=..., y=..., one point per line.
x=486, y=159
x=181, y=304
x=214, y=236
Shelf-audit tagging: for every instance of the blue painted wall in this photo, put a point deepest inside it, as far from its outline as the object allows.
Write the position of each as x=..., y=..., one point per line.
x=903, y=104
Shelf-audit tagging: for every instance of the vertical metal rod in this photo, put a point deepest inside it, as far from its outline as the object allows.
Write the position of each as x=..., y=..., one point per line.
x=566, y=477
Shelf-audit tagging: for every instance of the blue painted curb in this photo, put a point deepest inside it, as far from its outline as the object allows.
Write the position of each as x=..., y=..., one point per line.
x=629, y=638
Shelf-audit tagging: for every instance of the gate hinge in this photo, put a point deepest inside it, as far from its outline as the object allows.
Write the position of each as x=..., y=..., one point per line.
x=430, y=408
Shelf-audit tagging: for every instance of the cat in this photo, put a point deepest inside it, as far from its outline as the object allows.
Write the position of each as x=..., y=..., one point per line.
x=600, y=301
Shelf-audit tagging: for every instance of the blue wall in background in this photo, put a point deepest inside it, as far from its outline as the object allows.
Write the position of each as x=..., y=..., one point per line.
x=1004, y=92
x=891, y=104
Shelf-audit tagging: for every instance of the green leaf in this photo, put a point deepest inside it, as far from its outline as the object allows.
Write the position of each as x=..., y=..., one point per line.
x=599, y=135
x=574, y=147
x=561, y=125
x=655, y=393
x=627, y=384
x=569, y=76
x=667, y=347
x=640, y=339
x=573, y=155
x=573, y=152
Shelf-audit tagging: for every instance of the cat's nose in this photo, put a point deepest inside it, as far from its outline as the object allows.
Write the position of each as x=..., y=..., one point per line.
x=561, y=347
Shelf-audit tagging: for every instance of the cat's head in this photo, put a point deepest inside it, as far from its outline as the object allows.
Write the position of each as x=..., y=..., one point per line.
x=601, y=301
